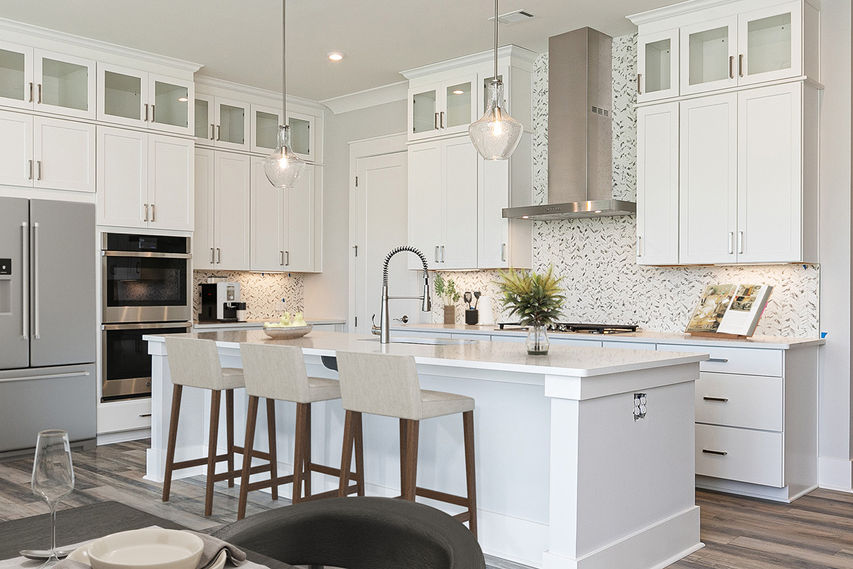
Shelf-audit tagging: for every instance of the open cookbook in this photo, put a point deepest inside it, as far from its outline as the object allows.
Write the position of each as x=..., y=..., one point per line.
x=729, y=309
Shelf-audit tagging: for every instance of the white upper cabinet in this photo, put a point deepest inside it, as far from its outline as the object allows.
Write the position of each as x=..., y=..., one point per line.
x=302, y=135
x=442, y=107
x=708, y=55
x=16, y=76
x=137, y=98
x=232, y=124
x=770, y=41
x=299, y=220
x=170, y=182
x=426, y=201
x=265, y=125
x=16, y=144
x=204, y=119
x=657, y=66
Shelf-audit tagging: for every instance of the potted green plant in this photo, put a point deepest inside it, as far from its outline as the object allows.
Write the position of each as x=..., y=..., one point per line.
x=446, y=289
x=536, y=299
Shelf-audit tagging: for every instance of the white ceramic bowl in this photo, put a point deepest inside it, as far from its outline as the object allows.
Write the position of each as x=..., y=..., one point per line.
x=286, y=332
x=149, y=548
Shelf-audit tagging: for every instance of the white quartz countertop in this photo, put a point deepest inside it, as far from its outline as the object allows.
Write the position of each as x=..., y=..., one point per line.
x=258, y=323
x=500, y=356
x=641, y=336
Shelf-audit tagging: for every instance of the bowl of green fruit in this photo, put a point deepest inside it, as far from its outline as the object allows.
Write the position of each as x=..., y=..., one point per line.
x=289, y=327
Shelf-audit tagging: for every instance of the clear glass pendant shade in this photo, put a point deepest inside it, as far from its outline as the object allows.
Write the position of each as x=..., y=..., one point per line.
x=496, y=134
x=283, y=168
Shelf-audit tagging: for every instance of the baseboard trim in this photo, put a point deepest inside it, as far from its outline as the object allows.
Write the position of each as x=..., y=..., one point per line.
x=123, y=436
x=835, y=473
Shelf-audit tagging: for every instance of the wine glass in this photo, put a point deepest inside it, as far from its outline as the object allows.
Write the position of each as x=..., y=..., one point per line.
x=53, y=477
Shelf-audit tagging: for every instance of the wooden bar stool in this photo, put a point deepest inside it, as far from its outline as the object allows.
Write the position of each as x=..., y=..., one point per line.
x=388, y=385
x=277, y=373
x=195, y=363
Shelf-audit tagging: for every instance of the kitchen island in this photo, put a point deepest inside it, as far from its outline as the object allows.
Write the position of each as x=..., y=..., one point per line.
x=571, y=471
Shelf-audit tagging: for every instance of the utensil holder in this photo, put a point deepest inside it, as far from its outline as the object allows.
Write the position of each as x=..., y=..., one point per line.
x=450, y=314
x=472, y=316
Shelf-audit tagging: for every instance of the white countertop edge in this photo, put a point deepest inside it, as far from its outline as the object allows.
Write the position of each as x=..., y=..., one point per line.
x=642, y=337
x=256, y=323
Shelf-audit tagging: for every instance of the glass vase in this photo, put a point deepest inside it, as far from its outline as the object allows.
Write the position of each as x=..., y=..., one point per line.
x=537, y=341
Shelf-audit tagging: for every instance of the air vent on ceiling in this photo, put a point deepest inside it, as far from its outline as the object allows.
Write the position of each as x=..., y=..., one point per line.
x=513, y=17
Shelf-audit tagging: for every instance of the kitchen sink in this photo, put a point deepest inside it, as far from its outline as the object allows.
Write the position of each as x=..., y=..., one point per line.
x=424, y=341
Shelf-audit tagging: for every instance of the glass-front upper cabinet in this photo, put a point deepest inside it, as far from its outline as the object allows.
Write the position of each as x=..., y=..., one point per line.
x=122, y=95
x=64, y=84
x=302, y=135
x=657, y=66
x=459, y=106
x=16, y=76
x=232, y=124
x=423, y=113
x=170, y=104
x=203, y=117
x=265, y=125
x=708, y=55
x=442, y=108
x=769, y=42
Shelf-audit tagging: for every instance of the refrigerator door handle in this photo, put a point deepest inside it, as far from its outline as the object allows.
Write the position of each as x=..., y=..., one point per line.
x=25, y=302
x=46, y=376
x=35, y=262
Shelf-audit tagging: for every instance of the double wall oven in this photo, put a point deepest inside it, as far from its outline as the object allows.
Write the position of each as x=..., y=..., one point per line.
x=146, y=281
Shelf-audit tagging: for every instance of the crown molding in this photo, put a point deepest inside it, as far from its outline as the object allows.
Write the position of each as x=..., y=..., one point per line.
x=508, y=51
x=691, y=6
x=368, y=98
x=209, y=85
x=29, y=34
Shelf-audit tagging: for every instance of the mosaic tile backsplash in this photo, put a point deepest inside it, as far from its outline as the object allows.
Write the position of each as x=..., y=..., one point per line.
x=262, y=292
x=596, y=258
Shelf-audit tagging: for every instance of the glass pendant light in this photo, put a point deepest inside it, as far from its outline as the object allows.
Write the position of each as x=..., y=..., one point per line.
x=283, y=168
x=496, y=134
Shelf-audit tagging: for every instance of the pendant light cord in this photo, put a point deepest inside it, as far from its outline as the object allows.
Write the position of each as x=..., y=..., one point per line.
x=284, y=61
x=495, y=78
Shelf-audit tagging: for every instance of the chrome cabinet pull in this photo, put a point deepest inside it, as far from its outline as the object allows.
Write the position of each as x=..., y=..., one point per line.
x=639, y=245
x=153, y=213
x=441, y=122
x=146, y=213
x=25, y=315
x=740, y=64
x=435, y=121
x=740, y=242
x=287, y=258
x=152, y=114
x=281, y=258
x=717, y=360
x=731, y=67
x=30, y=170
x=442, y=254
x=212, y=131
x=503, y=252
x=146, y=112
x=436, y=254
x=218, y=132
x=36, y=314
x=38, y=169
x=218, y=255
x=717, y=452
x=212, y=256
x=720, y=399
x=731, y=242
x=39, y=99
x=31, y=92
x=639, y=88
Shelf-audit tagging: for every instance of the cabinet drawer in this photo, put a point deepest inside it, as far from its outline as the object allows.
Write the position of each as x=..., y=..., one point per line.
x=739, y=454
x=745, y=361
x=733, y=400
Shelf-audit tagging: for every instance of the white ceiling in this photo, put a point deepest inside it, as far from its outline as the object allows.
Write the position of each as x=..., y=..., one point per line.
x=240, y=40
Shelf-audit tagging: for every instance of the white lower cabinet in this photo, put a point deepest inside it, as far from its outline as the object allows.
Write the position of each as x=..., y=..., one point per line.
x=282, y=223
x=744, y=455
x=221, y=238
x=145, y=181
x=46, y=153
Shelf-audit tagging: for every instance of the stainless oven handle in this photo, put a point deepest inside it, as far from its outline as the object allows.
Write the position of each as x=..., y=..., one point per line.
x=149, y=254
x=46, y=376
x=25, y=315
x=147, y=326
x=35, y=295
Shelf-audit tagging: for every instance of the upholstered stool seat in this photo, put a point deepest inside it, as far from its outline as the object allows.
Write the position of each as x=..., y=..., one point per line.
x=277, y=373
x=382, y=384
x=195, y=363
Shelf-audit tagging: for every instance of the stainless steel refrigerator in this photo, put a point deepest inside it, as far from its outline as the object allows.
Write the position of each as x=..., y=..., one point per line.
x=47, y=320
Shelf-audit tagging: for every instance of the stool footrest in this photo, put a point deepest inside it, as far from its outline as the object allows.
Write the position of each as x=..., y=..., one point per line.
x=332, y=493
x=463, y=516
x=442, y=496
x=269, y=483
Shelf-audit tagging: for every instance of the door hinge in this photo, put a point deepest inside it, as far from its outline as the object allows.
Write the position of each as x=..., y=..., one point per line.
x=355, y=247
x=356, y=181
x=356, y=321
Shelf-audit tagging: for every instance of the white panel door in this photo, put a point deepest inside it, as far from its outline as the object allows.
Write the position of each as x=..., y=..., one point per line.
x=122, y=178
x=770, y=174
x=426, y=202
x=299, y=224
x=204, y=244
x=266, y=247
x=657, y=66
x=16, y=149
x=266, y=122
x=64, y=84
x=231, y=211
x=204, y=119
x=708, y=167
x=708, y=54
x=459, y=248
x=64, y=152
x=170, y=182
x=122, y=95
x=657, y=184
x=493, y=243
x=232, y=124
x=770, y=43
x=16, y=76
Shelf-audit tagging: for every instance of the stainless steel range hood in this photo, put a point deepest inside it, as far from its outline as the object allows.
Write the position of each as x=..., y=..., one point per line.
x=580, y=171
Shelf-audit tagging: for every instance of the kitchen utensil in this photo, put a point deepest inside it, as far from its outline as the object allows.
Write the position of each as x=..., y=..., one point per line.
x=152, y=548
x=286, y=332
x=467, y=298
x=43, y=554
x=477, y=296
x=53, y=477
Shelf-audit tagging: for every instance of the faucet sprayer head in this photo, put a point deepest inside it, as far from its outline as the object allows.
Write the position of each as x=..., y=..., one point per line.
x=426, y=305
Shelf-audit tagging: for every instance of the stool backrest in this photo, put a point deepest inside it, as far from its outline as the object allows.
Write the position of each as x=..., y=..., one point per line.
x=380, y=384
x=275, y=372
x=194, y=363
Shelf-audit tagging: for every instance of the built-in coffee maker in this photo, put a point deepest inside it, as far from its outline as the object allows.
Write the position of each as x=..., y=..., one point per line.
x=220, y=302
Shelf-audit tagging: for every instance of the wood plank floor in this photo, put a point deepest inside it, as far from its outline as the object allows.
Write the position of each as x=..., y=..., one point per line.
x=814, y=532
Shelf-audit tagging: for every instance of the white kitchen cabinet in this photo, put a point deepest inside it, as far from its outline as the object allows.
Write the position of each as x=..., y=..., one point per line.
x=657, y=65
x=226, y=122
x=221, y=238
x=265, y=125
x=302, y=135
x=708, y=179
x=16, y=75
x=443, y=203
x=137, y=98
x=657, y=184
x=46, y=153
x=708, y=55
x=144, y=180
x=441, y=107
x=770, y=43
x=283, y=223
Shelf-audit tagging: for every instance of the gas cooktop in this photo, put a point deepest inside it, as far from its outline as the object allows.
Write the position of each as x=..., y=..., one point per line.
x=576, y=327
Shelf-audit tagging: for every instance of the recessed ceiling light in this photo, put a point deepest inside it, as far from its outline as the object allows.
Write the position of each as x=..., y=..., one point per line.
x=513, y=17
x=335, y=56
x=182, y=99
x=458, y=92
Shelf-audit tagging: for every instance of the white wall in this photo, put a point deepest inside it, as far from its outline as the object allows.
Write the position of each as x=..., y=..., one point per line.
x=835, y=246
x=326, y=294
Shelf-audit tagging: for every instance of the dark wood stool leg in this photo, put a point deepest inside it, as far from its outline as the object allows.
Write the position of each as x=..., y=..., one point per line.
x=272, y=445
x=411, y=473
x=307, y=479
x=229, y=430
x=346, y=454
x=251, y=419
x=359, y=455
x=177, y=390
x=471, y=478
x=299, y=453
x=215, y=400
x=404, y=423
